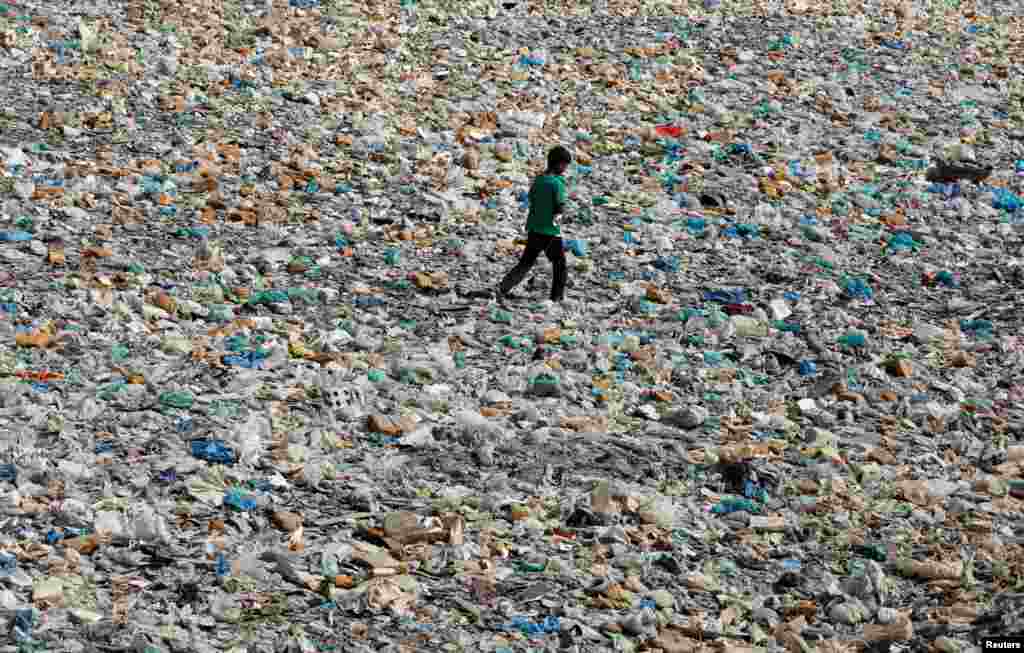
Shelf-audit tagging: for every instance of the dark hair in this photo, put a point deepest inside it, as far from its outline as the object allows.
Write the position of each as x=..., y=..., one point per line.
x=558, y=156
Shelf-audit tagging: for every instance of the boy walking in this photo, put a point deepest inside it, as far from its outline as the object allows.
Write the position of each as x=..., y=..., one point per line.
x=547, y=199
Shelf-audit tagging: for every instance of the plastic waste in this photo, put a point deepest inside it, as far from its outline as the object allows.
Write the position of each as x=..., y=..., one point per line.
x=214, y=451
x=734, y=504
x=15, y=236
x=250, y=352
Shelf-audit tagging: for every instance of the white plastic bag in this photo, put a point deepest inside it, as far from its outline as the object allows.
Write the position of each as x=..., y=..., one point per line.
x=251, y=437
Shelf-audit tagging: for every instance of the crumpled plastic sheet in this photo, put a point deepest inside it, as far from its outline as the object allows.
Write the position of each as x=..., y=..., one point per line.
x=258, y=395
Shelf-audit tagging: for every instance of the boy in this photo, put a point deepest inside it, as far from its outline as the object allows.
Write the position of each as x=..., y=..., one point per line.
x=547, y=199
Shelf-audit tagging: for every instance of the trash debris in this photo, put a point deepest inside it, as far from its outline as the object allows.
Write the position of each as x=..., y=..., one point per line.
x=259, y=393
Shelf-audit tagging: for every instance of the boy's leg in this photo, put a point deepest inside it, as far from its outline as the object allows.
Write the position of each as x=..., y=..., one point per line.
x=556, y=254
x=534, y=246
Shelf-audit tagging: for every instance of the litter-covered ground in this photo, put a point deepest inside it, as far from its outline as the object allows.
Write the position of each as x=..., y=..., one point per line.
x=257, y=396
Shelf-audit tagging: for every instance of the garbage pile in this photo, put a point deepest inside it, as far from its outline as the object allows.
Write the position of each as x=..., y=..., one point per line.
x=258, y=396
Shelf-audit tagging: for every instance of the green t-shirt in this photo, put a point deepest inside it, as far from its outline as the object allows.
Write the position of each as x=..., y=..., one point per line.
x=547, y=192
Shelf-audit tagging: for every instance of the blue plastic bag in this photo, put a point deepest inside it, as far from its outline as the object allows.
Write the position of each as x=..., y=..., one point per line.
x=24, y=619
x=982, y=328
x=741, y=230
x=853, y=339
x=667, y=263
x=733, y=296
x=247, y=359
x=752, y=490
x=222, y=567
x=730, y=505
x=696, y=226
x=235, y=498
x=948, y=190
x=213, y=451
x=527, y=627
x=948, y=279
x=577, y=247
x=857, y=289
x=1006, y=201
x=198, y=233
x=168, y=476
x=8, y=564
x=902, y=241
x=368, y=301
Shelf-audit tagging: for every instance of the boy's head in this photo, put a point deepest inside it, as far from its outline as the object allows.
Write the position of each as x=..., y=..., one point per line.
x=559, y=159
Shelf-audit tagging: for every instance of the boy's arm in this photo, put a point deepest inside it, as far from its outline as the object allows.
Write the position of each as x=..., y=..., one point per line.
x=560, y=199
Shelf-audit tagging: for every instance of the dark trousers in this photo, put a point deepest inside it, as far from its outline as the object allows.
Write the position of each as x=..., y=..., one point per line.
x=535, y=244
